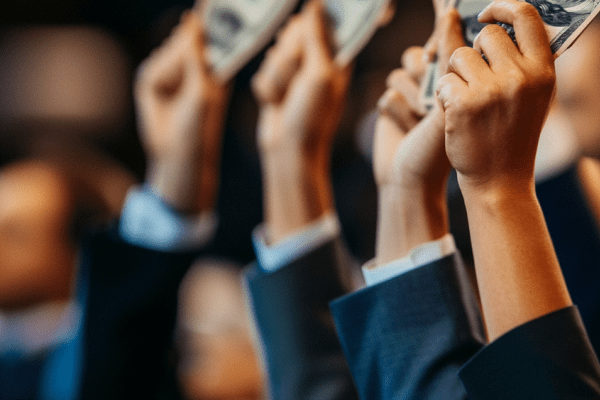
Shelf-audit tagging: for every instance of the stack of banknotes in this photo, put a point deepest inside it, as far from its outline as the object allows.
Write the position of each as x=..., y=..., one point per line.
x=564, y=21
x=239, y=29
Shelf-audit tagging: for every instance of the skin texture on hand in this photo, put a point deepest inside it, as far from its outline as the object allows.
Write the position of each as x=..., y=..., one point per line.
x=410, y=163
x=301, y=92
x=181, y=108
x=494, y=114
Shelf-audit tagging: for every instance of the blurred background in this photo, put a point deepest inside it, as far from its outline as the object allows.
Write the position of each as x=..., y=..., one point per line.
x=66, y=70
x=66, y=73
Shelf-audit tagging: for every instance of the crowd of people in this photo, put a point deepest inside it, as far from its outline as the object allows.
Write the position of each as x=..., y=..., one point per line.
x=136, y=308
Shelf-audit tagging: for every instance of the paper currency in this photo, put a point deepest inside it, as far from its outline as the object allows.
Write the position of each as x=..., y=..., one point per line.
x=564, y=21
x=429, y=84
x=239, y=29
x=354, y=23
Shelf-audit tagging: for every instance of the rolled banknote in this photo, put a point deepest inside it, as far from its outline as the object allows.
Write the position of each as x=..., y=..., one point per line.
x=354, y=23
x=564, y=21
x=239, y=29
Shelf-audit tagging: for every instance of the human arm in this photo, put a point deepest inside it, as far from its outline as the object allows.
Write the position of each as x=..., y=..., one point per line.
x=518, y=275
x=129, y=283
x=181, y=108
x=301, y=94
x=410, y=164
x=494, y=114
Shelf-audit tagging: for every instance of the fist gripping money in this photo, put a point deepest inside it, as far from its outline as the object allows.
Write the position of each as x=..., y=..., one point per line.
x=180, y=108
x=301, y=92
x=410, y=163
x=494, y=113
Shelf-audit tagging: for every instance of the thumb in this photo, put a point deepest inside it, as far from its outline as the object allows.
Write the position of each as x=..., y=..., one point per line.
x=317, y=38
x=450, y=38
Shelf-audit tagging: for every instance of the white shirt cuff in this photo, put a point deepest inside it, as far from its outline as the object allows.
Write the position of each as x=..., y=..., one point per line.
x=419, y=256
x=299, y=243
x=148, y=222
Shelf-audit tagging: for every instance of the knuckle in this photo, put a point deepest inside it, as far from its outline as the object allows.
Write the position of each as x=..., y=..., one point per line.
x=411, y=55
x=395, y=77
x=460, y=54
x=526, y=10
x=491, y=31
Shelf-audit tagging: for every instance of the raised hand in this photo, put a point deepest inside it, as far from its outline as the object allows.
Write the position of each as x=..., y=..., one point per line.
x=301, y=93
x=410, y=163
x=494, y=115
x=494, y=112
x=301, y=90
x=181, y=108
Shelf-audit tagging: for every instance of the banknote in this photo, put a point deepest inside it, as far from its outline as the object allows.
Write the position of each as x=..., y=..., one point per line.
x=564, y=20
x=239, y=29
x=354, y=22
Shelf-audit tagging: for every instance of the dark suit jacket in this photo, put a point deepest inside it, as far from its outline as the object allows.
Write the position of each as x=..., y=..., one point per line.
x=408, y=337
x=547, y=358
x=130, y=299
x=290, y=306
x=576, y=239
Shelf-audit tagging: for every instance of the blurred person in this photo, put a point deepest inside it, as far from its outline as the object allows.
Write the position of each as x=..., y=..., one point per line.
x=422, y=308
x=214, y=341
x=132, y=273
x=302, y=262
x=410, y=330
x=39, y=315
x=128, y=275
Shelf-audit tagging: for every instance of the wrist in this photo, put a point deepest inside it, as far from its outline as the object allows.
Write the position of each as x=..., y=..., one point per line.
x=499, y=193
x=184, y=183
x=296, y=193
x=407, y=219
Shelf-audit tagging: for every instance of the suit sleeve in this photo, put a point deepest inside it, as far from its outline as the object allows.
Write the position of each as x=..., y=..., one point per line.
x=299, y=344
x=130, y=299
x=406, y=338
x=547, y=358
x=576, y=238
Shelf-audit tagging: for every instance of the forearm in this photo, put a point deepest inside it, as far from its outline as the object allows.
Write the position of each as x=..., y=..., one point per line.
x=185, y=183
x=407, y=219
x=297, y=191
x=517, y=270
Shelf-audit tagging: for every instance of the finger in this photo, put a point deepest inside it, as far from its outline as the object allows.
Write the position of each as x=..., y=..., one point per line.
x=279, y=66
x=529, y=29
x=498, y=47
x=401, y=82
x=396, y=107
x=450, y=37
x=468, y=64
x=163, y=70
x=448, y=87
x=316, y=34
x=430, y=49
x=412, y=63
x=196, y=26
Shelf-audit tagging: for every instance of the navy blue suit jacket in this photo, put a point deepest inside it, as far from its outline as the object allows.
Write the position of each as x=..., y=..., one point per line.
x=130, y=300
x=408, y=338
x=299, y=343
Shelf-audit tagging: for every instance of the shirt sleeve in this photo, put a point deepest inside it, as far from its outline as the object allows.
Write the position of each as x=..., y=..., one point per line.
x=419, y=256
x=272, y=257
x=148, y=222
